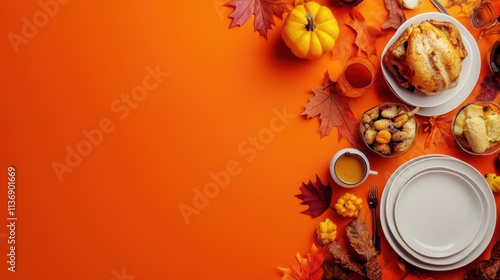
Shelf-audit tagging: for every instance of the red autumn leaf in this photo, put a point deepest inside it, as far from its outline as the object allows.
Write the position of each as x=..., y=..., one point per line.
x=396, y=14
x=440, y=132
x=309, y=267
x=333, y=111
x=317, y=196
x=366, y=34
x=264, y=10
x=490, y=87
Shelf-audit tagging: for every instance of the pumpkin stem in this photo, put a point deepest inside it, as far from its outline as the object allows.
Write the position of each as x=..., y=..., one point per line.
x=310, y=26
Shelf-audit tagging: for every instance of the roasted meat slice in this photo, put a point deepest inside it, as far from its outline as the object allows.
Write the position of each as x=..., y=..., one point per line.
x=427, y=56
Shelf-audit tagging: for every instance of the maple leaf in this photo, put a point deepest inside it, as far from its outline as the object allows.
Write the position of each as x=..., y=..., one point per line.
x=333, y=111
x=317, y=196
x=345, y=48
x=396, y=14
x=440, y=133
x=490, y=87
x=264, y=10
x=309, y=267
x=366, y=34
x=466, y=6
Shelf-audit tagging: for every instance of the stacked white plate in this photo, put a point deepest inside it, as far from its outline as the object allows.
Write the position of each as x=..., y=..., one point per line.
x=437, y=212
x=449, y=99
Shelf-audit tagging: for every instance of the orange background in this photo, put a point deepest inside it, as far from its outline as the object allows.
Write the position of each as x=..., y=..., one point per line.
x=115, y=211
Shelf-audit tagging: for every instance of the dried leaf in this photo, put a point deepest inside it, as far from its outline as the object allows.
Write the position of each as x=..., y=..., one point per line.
x=440, y=131
x=495, y=250
x=408, y=268
x=308, y=268
x=317, y=196
x=343, y=259
x=396, y=14
x=345, y=48
x=401, y=265
x=333, y=111
x=263, y=10
x=490, y=87
x=373, y=269
x=466, y=6
x=360, y=239
x=334, y=271
x=348, y=46
x=487, y=269
x=366, y=34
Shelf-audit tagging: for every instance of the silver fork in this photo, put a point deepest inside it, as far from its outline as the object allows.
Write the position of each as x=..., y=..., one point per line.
x=373, y=203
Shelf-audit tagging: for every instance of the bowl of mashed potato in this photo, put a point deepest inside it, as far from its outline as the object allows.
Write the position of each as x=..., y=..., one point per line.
x=476, y=128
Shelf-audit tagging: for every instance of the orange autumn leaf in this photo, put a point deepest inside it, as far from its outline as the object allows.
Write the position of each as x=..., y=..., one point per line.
x=333, y=111
x=366, y=34
x=440, y=132
x=309, y=267
x=466, y=6
x=263, y=11
x=345, y=48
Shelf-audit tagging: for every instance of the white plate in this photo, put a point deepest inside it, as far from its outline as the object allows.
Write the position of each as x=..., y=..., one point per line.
x=418, y=98
x=451, y=98
x=478, y=245
x=431, y=210
x=406, y=174
x=465, y=256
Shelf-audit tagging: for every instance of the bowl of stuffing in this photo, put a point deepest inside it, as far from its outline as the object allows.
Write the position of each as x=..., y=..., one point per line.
x=389, y=129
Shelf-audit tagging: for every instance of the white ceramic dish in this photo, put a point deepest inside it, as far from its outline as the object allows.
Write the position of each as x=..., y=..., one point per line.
x=451, y=98
x=418, y=98
x=464, y=257
x=431, y=210
x=400, y=180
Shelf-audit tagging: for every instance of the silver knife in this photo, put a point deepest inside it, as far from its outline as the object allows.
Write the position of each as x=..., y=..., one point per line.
x=439, y=7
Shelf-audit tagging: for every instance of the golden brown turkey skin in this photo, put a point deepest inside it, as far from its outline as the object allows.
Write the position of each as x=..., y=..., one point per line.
x=427, y=56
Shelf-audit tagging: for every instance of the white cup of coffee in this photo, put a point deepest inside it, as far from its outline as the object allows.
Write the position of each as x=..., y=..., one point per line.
x=350, y=168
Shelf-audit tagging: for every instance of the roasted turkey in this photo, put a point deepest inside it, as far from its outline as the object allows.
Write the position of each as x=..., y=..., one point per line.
x=427, y=56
